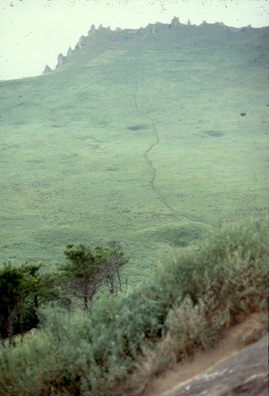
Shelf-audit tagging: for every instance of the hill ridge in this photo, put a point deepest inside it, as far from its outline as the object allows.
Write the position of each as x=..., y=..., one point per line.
x=147, y=33
x=76, y=152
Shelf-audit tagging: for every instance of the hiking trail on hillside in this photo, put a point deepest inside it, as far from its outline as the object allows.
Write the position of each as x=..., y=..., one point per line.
x=153, y=169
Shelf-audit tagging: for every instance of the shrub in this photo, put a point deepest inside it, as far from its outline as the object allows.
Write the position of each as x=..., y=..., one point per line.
x=126, y=339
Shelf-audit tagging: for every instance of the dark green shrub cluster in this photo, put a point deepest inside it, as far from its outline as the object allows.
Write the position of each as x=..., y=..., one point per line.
x=137, y=127
x=126, y=339
x=232, y=265
x=23, y=289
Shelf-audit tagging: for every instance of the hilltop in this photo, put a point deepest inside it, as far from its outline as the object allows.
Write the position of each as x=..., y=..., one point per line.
x=152, y=137
x=92, y=49
x=156, y=138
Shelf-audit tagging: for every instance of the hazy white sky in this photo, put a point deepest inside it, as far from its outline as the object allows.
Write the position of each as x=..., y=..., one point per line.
x=34, y=32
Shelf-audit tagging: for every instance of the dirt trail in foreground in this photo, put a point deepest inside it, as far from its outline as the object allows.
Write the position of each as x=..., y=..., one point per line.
x=234, y=340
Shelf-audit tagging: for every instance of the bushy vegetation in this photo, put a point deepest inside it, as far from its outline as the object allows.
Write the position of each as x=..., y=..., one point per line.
x=148, y=173
x=124, y=340
x=88, y=268
x=25, y=288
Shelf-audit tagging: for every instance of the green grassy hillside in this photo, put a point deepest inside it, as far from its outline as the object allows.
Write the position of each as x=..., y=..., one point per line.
x=136, y=137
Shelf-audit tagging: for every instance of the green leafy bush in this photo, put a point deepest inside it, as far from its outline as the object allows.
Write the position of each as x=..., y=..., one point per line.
x=23, y=289
x=126, y=339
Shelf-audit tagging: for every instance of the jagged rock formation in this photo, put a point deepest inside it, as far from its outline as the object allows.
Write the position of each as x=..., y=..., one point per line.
x=175, y=34
x=61, y=60
x=175, y=21
x=81, y=42
x=243, y=374
x=92, y=30
x=69, y=52
x=47, y=70
x=101, y=28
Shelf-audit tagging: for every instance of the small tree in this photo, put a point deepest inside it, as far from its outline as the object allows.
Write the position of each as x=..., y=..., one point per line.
x=11, y=287
x=22, y=289
x=115, y=259
x=88, y=268
x=38, y=289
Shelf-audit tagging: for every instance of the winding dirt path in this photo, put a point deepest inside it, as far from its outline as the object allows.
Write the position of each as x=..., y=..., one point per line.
x=149, y=162
x=147, y=157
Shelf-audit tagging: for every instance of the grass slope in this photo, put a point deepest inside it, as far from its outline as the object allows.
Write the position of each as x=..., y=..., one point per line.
x=136, y=134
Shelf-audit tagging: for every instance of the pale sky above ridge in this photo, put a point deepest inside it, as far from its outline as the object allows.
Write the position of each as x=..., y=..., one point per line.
x=34, y=32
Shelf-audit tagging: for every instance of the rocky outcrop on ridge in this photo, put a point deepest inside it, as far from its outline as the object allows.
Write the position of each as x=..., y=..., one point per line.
x=243, y=374
x=47, y=70
x=69, y=52
x=99, y=39
x=61, y=60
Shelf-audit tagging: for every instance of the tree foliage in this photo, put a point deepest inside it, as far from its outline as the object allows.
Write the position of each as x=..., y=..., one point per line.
x=12, y=291
x=88, y=268
x=23, y=289
x=123, y=342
